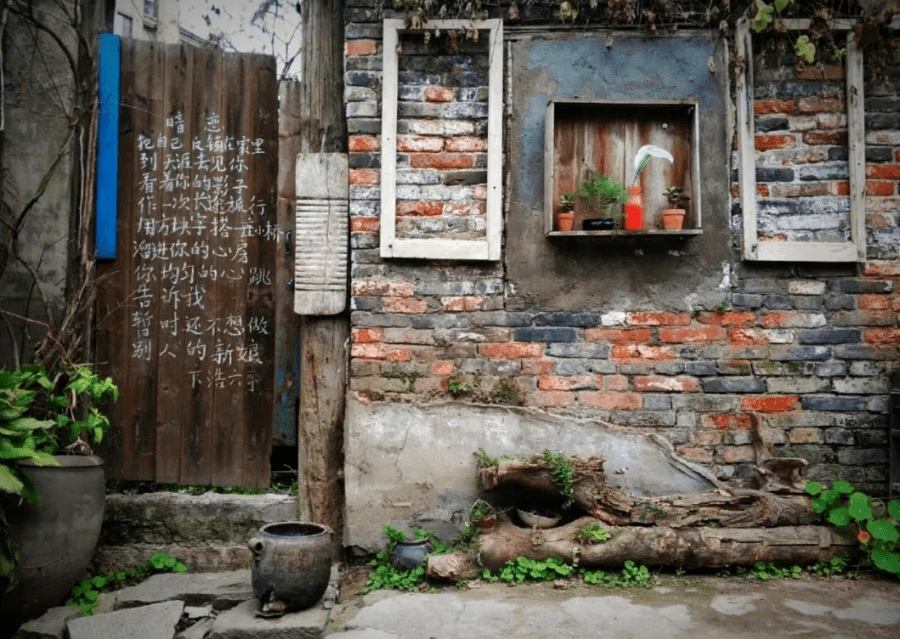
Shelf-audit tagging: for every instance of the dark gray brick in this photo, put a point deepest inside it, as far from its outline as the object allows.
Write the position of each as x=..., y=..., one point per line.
x=837, y=171
x=440, y=321
x=830, y=403
x=700, y=369
x=840, y=302
x=745, y=300
x=842, y=436
x=862, y=456
x=365, y=303
x=733, y=385
x=501, y=318
x=365, y=160
x=862, y=351
x=566, y=319
x=863, y=286
x=774, y=175
x=831, y=369
x=585, y=366
x=773, y=123
x=882, y=121
x=832, y=336
x=581, y=349
x=882, y=104
x=777, y=302
x=879, y=154
x=657, y=402
x=760, y=285
x=363, y=78
x=555, y=334
x=800, y=353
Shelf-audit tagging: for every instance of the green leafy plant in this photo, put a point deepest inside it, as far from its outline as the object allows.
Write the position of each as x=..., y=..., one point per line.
x=567, y=201
x=601, y=192
x=562, y=474
x=505, y=392
x=766, y=571
x=523, y=569
x=386, y=576
x=457, y=385
x=480, y=509
x=593, y=533
x=632, y=576
x=86, y=593
x=830, y=568
x=805, y=49
x=877, y=523
x=41, y=416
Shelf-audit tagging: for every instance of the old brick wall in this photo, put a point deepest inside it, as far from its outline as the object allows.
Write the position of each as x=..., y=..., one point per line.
x=807, y=348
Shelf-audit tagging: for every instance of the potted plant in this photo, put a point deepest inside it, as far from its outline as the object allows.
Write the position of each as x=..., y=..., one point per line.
x=634, y=207
x=602, y=194
x=673, y=217
x=53, y=489
x=565, y=216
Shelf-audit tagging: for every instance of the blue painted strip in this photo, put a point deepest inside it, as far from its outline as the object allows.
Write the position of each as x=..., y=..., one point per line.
x=108, y=146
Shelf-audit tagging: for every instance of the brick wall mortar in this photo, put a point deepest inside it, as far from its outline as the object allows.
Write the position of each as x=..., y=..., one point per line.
x=806, y=347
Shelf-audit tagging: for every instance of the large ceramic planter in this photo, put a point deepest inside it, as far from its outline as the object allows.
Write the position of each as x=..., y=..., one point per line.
x=56, y=540
x=291, y=565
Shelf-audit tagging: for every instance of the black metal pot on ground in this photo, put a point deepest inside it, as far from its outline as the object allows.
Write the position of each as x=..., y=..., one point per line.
x=56, y=540
x=291, y=565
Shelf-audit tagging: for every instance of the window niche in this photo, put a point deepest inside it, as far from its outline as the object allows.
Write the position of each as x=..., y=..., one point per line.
x=604, y=136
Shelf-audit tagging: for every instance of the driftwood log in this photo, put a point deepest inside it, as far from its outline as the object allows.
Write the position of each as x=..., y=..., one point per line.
x=650, y=545
x=724, y=507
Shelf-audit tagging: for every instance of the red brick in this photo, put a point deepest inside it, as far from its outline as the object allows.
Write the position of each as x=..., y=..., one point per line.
x=762, y=190
x=364, y=177
x=366, y=335
x=873, y=302
x=823, y=72
x=691, y=335
x=883, y=171
x=616, y=383
x=438, y=94
x=373, y=287
x=551, y=399
x=441, y=161
x=397, y=355
x=360, y=224
x=511, y=350
x=367, y=351
x=879, y=221
x=465, y=209
x=842, y=188
x=659, y=319
x=662, y=384
x=770, y=403
x=420, y=209
x=466, y=144
x=641, y=351
x=561, y=383
x=430, y=385
x=618, y=335
x=748, y=336
x=736, y=454
x=728, y=318
x=404, y=305
x=610, y=401
x=464, y=303
x=441, y=368
x=695, y=454
x=706, y=438
x=419, y=143
x=882, y=268
x=726, y=421
x=361, y=47
x=821, y=137
x=821, y=105
x=538, y=367
x=773, y=142
x=363, y=143
x=765, y=107
x=882, y=336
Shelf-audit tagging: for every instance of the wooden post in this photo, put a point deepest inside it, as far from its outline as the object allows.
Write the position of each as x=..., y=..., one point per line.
x=324, y=340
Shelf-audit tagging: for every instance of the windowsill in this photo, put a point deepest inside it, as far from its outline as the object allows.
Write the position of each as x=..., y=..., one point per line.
x=624, y=233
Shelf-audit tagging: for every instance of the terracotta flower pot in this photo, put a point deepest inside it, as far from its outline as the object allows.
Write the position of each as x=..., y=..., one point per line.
x=673, y=219
x=565, y=220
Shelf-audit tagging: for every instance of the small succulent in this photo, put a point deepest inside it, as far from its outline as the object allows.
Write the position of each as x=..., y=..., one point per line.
x=677, y=198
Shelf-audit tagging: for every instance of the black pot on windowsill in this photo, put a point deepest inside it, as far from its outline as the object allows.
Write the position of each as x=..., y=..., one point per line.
x=599, y=224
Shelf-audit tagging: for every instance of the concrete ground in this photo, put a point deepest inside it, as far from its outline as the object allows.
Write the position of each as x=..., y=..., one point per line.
x=679, y=607
x=222, y=606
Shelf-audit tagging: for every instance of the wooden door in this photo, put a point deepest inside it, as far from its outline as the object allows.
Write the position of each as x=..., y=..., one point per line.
x=186, y=309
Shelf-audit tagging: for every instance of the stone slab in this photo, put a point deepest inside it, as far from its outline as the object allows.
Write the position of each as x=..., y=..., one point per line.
x=156, y=621
x=221, y=589
x=50, y=625
x=241, y=622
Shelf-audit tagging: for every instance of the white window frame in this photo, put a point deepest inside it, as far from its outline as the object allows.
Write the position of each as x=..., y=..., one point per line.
x=853, y=250
x=441, y=248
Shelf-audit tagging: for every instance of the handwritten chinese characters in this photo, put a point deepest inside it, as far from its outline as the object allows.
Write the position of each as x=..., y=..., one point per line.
x=197, y=223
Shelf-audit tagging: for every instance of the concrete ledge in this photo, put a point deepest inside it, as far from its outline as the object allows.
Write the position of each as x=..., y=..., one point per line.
x=207, y=532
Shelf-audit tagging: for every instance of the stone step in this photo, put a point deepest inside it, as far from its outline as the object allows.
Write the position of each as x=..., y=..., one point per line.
x=184, y=606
